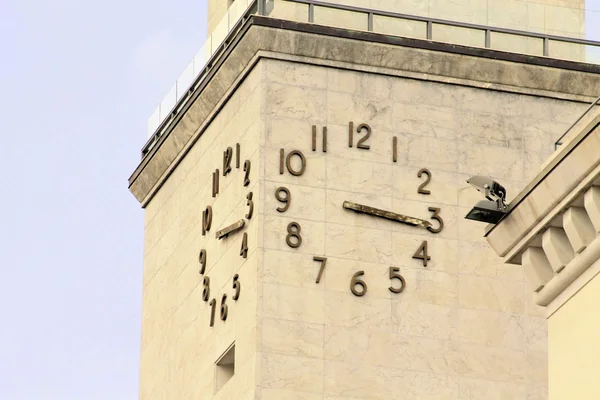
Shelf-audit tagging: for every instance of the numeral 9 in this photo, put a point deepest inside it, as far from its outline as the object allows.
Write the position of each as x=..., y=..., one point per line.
x=202, y=259
x=286, y=200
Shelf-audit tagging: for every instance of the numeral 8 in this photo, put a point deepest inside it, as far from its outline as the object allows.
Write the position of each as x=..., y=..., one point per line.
x=293, y=229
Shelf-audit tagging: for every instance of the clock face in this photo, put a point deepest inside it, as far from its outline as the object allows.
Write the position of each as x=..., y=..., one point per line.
x=293, y=165
x=233, y=174
x=292, y=199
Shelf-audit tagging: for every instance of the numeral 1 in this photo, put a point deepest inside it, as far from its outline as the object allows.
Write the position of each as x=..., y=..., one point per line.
x=215, y=183
x=395, y=149
x=237, y=155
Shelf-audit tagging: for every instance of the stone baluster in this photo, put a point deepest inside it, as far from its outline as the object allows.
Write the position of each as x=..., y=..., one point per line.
x=579, y=228
x=537, y=267
x=592, y=206
x=557, y=248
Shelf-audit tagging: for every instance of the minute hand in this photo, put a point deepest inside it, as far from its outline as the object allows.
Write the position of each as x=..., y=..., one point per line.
x=386, y=214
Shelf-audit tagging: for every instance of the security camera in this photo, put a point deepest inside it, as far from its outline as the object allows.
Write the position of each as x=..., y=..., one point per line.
x=494, y=208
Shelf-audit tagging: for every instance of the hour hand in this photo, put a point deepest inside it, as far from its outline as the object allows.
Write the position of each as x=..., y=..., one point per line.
x=386, y=214
x=230, y=229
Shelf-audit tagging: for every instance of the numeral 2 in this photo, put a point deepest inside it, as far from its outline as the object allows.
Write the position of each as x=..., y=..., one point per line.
x=422, y=189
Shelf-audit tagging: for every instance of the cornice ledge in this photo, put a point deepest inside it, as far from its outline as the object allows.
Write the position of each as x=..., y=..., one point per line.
x=572, y=171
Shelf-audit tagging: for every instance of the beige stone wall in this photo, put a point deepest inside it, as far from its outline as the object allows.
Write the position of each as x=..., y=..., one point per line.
x=573, y=346
x=465, y=326
x=179, y=348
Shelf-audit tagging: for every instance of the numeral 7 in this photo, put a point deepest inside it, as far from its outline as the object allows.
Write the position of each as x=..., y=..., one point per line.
x=323, y=263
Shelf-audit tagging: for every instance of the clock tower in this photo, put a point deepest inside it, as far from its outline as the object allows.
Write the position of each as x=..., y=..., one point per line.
x=305, y=200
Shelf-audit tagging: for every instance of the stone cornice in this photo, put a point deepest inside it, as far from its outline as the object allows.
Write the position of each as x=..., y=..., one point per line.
x=552, y=228
x=342, y=48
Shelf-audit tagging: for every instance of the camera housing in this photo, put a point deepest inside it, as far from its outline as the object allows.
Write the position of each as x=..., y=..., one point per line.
x=494, y=208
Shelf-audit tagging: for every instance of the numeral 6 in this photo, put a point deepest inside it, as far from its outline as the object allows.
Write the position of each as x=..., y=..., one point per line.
x=356, y=281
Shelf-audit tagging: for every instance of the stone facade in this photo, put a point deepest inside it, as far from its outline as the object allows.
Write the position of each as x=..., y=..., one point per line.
x=464, y=327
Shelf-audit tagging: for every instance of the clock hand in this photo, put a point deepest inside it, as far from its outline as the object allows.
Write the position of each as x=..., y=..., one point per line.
x=386, y=214
x=236, y=226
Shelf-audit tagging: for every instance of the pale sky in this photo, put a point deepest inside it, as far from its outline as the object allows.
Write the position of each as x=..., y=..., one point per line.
x=78, y=81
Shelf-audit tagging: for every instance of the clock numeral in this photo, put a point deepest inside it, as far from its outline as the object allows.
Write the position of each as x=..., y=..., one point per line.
x=202, y=259
x=323, y=261
x=247, y=172
x=215, y=183
x=237, y=155
x=314, y=138
x=286, y=200
x=395, y=149
x=250, y=204
x=223, y=308
x=288, y=162
x=206, y=220
x=206, y=288
x=421, y=253
x=293, y=229
x=212, y=304
x=422, y=189
x=394, y=273
x=227, y=157
x=356, y=281
x=237, y=286
x=360, y=144
x=244, y=249
x=436, y=216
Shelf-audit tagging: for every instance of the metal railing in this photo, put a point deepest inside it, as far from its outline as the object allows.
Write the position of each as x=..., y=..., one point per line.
x=265, y=7
x=430, y=22
x=558, y=142
x=201, y=65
